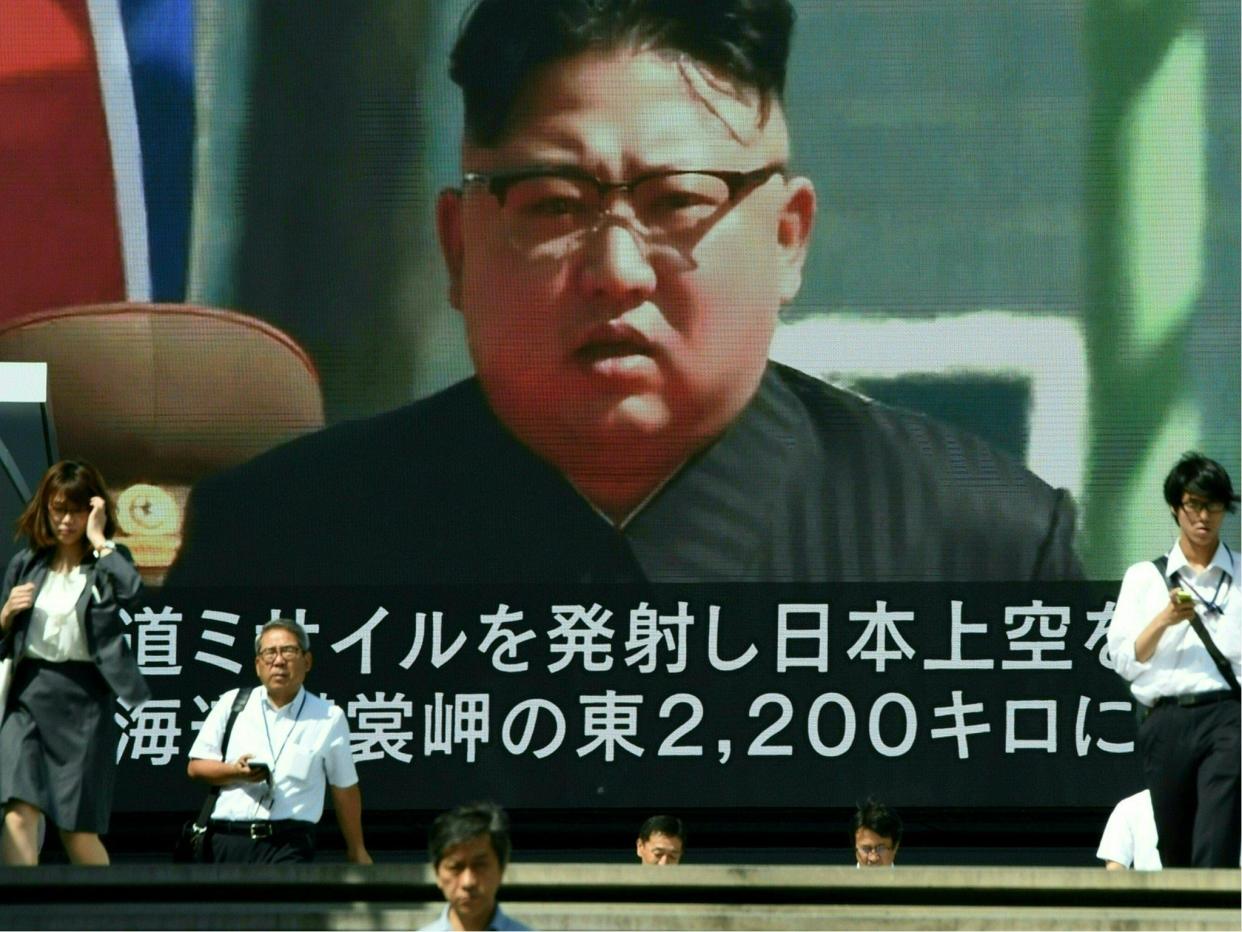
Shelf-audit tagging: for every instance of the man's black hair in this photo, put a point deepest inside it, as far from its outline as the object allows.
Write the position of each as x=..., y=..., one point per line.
x=878, y=818
x=668, y=825
x=1200, y=476
x=466, y=823
x=503, y=42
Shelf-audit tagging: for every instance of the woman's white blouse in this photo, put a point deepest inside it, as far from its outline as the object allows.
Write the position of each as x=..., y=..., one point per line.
x=55, y=633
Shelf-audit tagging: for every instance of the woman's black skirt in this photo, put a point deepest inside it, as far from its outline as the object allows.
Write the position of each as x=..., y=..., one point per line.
x=58, y=744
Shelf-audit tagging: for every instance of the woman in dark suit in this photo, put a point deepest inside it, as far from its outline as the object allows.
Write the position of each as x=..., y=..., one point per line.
x=60, y=616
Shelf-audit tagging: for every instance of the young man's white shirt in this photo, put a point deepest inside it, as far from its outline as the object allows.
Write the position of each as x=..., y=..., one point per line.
x=1180, y=664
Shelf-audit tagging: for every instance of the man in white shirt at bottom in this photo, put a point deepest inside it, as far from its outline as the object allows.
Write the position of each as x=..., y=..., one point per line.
x=469, y=849
x=1129, y=839
x=285, y=748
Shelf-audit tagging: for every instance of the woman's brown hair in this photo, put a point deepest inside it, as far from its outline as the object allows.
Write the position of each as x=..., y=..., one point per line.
x=75, y=481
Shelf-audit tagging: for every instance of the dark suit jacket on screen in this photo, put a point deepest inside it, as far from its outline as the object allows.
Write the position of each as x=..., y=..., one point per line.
x=810, y=483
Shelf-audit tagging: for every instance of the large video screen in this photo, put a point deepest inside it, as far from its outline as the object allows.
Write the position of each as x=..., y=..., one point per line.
x=1018, y=305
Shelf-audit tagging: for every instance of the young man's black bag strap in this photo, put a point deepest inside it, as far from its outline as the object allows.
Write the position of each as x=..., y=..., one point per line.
x=192, y=843
x=1223, y=665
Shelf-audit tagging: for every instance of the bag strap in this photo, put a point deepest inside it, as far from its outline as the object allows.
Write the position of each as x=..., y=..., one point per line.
x=239, y=702
x=1223, y=665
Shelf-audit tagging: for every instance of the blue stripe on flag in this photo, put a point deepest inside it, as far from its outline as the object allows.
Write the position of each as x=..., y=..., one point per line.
x=160, y=38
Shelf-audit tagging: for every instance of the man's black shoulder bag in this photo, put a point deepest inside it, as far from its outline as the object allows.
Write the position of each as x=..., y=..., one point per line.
x=192, y=846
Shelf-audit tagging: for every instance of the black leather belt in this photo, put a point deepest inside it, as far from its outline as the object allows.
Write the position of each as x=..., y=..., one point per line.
x=257, y=830
x=1193, y=699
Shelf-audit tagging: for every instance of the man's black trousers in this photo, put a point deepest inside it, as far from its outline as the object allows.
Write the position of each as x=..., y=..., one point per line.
x=1191, y=758
x=289, y=843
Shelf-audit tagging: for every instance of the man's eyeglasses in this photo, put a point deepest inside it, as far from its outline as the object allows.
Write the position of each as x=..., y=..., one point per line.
x=868, y=850
x=1197, y=506
x=286, y=651
x=554, y=210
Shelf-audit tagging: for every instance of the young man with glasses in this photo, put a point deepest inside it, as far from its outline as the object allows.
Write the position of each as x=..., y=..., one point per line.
x=286, y=745
x=626, y=231
x=1176, y=636
x=876, y=832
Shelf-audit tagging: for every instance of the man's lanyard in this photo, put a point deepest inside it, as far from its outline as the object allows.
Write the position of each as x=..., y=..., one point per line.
x=1211, y=605
x=271, y=794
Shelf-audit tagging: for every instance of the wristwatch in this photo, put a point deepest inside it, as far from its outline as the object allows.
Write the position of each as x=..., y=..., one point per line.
x=107, y=548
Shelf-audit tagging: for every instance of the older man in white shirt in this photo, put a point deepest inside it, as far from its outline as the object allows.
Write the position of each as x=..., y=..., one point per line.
x=286, y=746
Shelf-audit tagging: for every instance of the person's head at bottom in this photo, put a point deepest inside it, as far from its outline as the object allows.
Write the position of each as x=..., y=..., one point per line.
x=469, y=849
x=661, y=841
x=876, y=833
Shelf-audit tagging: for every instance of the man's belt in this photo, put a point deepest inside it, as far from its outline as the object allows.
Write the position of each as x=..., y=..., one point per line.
x=262, y=829
x=1193, y=699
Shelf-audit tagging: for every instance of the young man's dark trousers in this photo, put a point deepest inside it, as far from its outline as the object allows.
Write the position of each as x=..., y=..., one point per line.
x=1191, y=761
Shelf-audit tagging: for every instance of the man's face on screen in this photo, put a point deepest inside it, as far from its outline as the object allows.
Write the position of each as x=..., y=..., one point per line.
x=636, y=314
